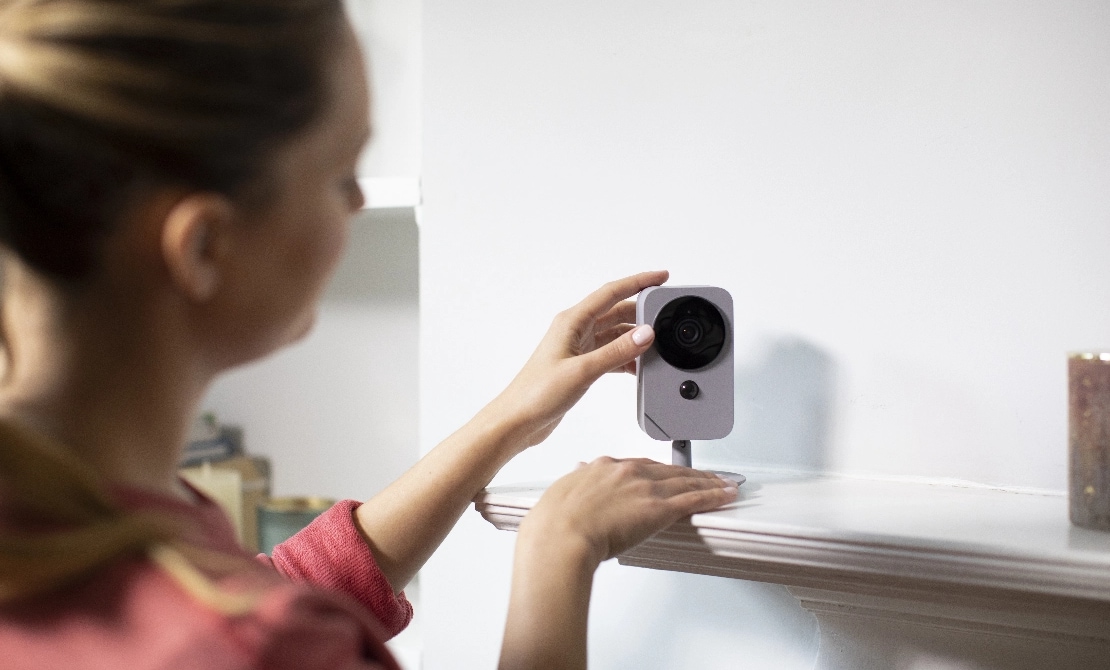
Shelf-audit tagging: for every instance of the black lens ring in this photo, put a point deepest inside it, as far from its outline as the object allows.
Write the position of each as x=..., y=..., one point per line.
x=693, y=353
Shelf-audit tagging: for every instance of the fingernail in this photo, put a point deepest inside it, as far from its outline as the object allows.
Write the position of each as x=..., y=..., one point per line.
x=642, y=334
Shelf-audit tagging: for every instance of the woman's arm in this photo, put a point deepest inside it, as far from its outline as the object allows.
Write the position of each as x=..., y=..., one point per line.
x=584, y=342
x=588, y=516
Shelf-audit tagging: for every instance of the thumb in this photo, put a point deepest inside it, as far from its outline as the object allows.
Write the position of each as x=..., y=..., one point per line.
x=621, y=351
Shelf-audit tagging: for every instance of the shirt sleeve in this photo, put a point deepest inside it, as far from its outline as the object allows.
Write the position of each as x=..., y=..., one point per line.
x=331, y=553
x=297, y=630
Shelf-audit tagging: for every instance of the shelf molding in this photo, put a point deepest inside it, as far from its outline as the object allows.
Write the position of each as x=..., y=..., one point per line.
x=890, y=568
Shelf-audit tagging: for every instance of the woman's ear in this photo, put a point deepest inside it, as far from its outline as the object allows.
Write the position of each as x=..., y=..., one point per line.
x=195, y=242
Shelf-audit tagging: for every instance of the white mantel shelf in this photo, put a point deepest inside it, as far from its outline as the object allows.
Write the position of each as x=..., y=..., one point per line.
x=888, y=566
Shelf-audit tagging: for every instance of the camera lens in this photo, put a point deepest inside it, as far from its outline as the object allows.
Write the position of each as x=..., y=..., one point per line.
x=689, y=332
x=689, y=389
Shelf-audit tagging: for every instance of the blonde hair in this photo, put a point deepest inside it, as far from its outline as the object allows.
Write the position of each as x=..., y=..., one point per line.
x=61, y=525
x=100, y=101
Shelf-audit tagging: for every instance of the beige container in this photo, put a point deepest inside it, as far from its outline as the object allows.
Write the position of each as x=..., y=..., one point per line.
x=254, y=474
x=223, y=486
x=281, y=518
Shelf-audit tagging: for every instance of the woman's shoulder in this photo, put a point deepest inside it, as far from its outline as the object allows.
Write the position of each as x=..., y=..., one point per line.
x=133, y=615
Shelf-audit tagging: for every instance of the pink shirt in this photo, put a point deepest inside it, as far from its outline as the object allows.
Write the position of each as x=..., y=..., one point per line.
x=326, y=604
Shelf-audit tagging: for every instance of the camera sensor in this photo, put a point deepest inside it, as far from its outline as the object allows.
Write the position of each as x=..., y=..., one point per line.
x=689, y=332
x=689, y=389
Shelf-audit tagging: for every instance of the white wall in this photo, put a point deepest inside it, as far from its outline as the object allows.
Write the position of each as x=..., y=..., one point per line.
x=390, y=33
x=910, y=203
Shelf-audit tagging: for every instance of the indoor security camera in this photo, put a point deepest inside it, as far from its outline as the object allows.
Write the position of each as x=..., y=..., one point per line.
x=685, y=381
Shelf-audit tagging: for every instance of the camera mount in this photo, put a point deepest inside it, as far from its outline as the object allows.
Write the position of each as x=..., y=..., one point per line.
x=680, y=453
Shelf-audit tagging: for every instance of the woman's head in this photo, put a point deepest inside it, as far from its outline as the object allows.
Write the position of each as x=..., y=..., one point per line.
x=103, y=101
x=207, y=147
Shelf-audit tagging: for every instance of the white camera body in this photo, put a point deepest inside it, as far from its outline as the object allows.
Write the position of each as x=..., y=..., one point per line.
x=684, y=383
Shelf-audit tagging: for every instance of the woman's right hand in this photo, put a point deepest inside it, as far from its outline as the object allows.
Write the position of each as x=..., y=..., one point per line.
x=611, y=505
x=596, y=336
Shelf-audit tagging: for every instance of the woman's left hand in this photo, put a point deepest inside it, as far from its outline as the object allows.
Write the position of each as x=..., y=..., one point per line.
x=596, y=336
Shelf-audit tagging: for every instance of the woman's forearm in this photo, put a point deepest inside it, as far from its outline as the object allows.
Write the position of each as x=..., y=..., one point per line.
x=407, y=521
x=549, y=606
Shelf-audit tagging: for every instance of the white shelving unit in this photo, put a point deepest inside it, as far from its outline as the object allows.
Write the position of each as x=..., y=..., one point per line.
x=899, y=574
x=390, y=192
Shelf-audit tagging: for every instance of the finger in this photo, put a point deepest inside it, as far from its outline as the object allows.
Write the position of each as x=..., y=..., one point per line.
x=668, y=471
x=605, y=337
x=674, y=486
x=602, y=300
x=652, y=469
x=679, y=477
x=623, y=313
x=705, y=500
x=619, y=352
x=645, y=461
x=640, y=463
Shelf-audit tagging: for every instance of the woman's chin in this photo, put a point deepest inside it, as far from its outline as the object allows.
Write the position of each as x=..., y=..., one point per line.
x=262, y=349
x=304, y=328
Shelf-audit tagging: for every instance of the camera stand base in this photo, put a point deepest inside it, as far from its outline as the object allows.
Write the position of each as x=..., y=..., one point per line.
x=681, y=455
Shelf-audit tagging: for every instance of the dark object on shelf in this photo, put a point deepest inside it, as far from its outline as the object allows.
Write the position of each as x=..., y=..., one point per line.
x=1089, y=440
x=227, y=443
x=281, y=518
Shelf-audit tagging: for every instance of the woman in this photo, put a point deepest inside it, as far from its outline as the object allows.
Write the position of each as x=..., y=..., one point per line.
x=176, y=178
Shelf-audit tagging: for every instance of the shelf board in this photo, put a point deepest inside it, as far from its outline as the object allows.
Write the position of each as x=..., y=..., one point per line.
x=872, y=535
x=390, y=192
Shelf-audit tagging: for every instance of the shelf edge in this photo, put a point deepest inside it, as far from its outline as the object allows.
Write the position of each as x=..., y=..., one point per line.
x=793, y=559
x=390, y=192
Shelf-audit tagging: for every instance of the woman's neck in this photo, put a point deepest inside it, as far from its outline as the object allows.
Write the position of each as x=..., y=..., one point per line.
x=106, y=375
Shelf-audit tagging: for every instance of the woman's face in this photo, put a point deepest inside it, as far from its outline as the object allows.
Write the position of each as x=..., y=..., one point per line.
x=292, y=244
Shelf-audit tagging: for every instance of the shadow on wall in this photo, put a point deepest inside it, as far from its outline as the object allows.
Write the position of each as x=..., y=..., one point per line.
x=380, y=264
x=783, y=410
